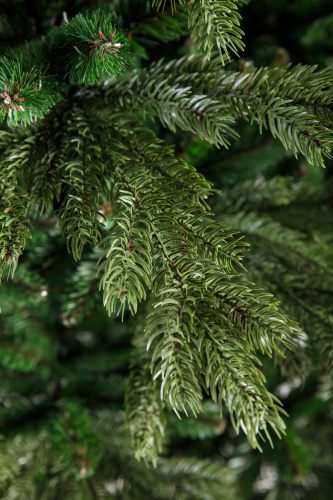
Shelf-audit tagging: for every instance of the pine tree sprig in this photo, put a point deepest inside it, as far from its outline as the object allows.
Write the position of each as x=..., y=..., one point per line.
x=14, y=233
x=126, y=263
x=188, y=289
x=89, y=49
x=26, y=93
x=207, y=330
x=206, y=102
x=293, y=102
x=79, y=215
x=174, y=105
x=13, y=202
x=145, y=413
x=214, y=24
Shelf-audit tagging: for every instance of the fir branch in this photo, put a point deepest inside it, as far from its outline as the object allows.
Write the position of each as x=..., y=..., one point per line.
x=174, y=105
x=233, y=376
x=286, y=109
x=210, y=239
x=293, y=102
x=275, y=238
x=224, y=304
x=214, y=23
x=26, y=93
x=174, y=357
x=144, y=409
x=88, y=49
x=39, y=152
x=305, y=280
x=13, y=203
x=79, y=211
x=127, y=263
x=162, y=164
x=14, y=232
x=186, y=101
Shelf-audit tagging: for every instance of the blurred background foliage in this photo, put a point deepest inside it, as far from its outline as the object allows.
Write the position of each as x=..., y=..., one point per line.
x=64, y=363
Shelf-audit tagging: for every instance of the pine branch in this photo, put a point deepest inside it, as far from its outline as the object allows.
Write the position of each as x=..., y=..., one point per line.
x=208, y=326
x=216, y=23
x=286, y=244
x=204, y=102
x=144, y=409
x=293, y=102
x=127, y=263
x=88, y=49
x=40, y=151
x=26, y=91
x=283, y=101
x=193, y=292
x=213, y=23
x=79, y=215
x=174, y=105
x=13, y=201
x=84, y=50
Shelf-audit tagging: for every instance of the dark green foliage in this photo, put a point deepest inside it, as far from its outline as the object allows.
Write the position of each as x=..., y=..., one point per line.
x=84, y=50
x=68, y=389
x=196, y=95
x=89, y=49
x=215, y=23
x=144, y=408
x=26, y=92
x=230, y=295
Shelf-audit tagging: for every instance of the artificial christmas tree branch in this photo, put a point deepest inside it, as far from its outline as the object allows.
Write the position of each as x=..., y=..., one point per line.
x=75, y=146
